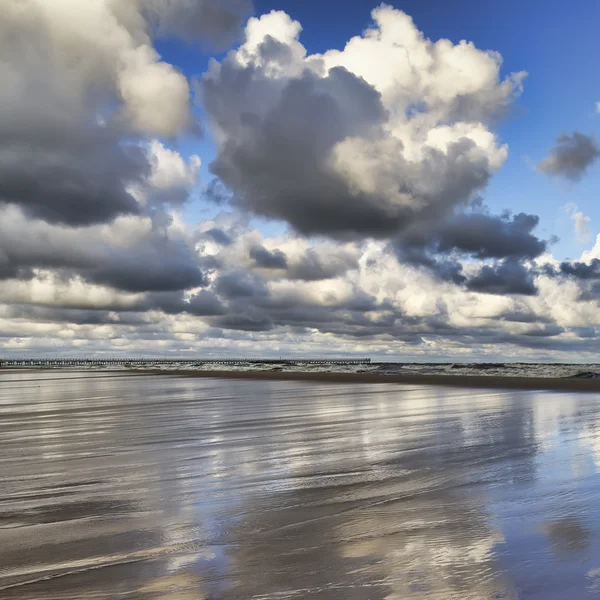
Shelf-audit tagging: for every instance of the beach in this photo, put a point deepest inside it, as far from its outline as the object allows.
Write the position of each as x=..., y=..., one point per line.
x=179, y=487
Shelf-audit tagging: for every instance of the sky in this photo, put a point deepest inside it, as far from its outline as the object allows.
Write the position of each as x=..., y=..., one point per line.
x=410, y=181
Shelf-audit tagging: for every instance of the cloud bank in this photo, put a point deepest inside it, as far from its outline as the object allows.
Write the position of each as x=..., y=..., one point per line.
x=571, y=156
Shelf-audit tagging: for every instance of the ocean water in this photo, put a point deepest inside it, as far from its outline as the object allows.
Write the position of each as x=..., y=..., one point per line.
x=514, y=369
x=577, y=371
x=159, y=487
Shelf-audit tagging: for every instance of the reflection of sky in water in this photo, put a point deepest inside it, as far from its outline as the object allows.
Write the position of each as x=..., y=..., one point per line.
x=156, y=488
x=553, y=521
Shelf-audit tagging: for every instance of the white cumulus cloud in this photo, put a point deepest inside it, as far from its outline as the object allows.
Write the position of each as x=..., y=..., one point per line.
x=581, y=222
x=391, y=130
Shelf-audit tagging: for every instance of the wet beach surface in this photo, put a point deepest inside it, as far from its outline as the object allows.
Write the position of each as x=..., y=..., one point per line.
x=162, y=487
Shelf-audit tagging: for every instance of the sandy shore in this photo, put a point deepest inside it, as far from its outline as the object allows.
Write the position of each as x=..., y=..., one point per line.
x=515, y=383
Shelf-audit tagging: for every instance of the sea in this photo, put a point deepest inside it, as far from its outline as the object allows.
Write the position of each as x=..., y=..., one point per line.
x=492, y=369
x=161, y=487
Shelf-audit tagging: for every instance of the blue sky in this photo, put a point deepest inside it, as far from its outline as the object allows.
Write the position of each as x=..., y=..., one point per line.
x=554, y=41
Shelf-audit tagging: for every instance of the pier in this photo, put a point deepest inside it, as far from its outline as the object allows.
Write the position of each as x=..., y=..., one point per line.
x=150, y=363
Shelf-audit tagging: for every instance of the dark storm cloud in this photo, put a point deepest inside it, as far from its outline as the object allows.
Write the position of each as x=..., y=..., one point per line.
x=265, y=259
x=148, y=262
x=219, y=236
x=82, y=94
x=243, y=322
x=415, y=254
x=348, y=317
x=545, y=331
x=67, y=173
x=490, y=236
x=582, y=270
x=203, y=304
x=9, y=270
x=585, y=332
x=217, y=22
x=478, y=234
x=311, y=267
x=78, y=316
x=570, y=156
x=590, y=292
x=524, y=315
x=276, y=164
x=587, y=275
x=240, y=285
x=147, y=272
x=505, y=278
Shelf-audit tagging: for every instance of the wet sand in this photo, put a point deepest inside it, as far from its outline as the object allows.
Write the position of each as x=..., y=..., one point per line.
x=181, y=488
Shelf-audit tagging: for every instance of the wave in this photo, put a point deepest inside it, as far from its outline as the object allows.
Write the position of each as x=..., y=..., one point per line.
x=585, y=375
x=499, y=369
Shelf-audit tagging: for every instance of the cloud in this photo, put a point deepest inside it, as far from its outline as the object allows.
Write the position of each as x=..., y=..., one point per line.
x=77, y=59
x=219, y=236
x=375, y=155
x=150, y=267
x=215, y=21
x=477, y=234
x=488, y=236
x=505, y=278
x=172, y=179
x=570, y=156
x=378, y=308
x=265, y=259
x=327, y=264
x=367, y=141
x=243, y=322
x=580, y=222
x=91, y=183
x=128, y=255
x=204, y=303
x=417, y=254
x=305, y=264
x=83, y=88
x=76, y=175
x=582, y=270
x=239, y=285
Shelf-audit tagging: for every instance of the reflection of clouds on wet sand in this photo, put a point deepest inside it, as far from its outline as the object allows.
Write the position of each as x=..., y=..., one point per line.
x=157, y=487
x=567, y=536
x=409, y=518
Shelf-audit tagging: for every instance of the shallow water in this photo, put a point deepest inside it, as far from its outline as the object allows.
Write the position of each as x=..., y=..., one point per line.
x=144, y=487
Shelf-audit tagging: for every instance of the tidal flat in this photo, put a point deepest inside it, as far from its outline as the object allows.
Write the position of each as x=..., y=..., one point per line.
x=167, y=487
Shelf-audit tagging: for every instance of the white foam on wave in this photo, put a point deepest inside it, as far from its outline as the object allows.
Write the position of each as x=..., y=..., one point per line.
x=544, y=370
